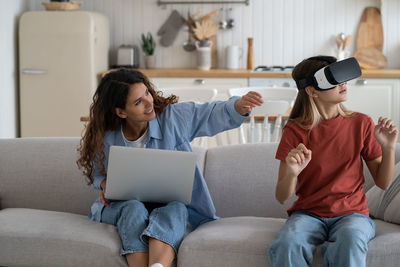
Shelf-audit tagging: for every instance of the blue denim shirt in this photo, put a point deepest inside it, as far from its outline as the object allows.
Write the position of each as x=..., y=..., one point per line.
x=174, y=129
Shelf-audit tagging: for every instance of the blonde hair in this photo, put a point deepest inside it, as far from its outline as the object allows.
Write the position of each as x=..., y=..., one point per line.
x=305, y=112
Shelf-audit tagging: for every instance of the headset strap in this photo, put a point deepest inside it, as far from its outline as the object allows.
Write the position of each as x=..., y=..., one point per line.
x=303, y=83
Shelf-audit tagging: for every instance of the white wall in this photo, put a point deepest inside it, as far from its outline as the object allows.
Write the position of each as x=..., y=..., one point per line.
x=10, y=11
x=391, y=26
x=284, y=32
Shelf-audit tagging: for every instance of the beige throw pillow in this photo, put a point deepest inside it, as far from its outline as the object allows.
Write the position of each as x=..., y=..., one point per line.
x=385, y=204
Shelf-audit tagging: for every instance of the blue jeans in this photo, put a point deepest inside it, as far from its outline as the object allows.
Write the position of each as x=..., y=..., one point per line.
x=344, y=240
x=135, y=224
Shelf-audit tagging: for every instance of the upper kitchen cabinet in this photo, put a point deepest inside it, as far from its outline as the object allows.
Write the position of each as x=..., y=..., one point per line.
x=375, y=97
x=61, y=56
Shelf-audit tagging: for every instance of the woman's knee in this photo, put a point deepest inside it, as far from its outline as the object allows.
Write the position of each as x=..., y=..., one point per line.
x=172, y=216
x=177, y=208
x=134, y=208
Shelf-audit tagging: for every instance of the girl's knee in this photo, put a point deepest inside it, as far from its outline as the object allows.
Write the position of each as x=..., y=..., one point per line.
x=352, y=238
x=289, y=241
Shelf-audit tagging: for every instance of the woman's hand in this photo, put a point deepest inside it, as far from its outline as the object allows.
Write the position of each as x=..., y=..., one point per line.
x=386, y=133
x=102, y=194
x=297, y=159
x=247, y=102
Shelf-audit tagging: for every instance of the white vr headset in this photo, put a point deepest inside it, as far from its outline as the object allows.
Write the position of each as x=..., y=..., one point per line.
x=330, y=76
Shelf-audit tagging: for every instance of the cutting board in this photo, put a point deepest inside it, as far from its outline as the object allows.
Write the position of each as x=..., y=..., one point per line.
x=370, y=40
x=370, y=58
x=370, y=30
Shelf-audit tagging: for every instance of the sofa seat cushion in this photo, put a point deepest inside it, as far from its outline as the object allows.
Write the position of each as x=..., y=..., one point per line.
x=232, y=241
x=384, y=204
x=384, y=249
x=30, y=237
x=244, y=241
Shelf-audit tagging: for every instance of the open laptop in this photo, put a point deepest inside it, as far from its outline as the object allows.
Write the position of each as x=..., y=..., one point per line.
x=150, y=175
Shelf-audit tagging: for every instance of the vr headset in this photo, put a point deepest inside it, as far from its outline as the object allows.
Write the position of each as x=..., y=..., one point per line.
x=330, y=76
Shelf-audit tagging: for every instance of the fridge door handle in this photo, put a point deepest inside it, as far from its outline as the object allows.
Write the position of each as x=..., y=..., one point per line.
x=33, y=71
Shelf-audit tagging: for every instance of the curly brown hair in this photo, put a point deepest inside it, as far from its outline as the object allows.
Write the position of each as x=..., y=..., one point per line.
x=111, y=93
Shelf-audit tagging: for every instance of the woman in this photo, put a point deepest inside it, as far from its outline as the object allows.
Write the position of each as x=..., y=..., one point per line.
x=320, y=155
x=127, y=111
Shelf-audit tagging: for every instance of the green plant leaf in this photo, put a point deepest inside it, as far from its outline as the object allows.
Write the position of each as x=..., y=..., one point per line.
x=148, y=44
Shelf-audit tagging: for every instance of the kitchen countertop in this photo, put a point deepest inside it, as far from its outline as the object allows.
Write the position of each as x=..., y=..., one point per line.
x=244, y=73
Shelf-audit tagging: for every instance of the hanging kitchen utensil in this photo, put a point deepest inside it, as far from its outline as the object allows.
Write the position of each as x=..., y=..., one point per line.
x=231, y=21
x=169, y=30
x=189, y=45
x=222, y=23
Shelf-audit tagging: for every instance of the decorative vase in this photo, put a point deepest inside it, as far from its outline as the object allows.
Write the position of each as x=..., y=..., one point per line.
x=204, y=54
x=150, y=61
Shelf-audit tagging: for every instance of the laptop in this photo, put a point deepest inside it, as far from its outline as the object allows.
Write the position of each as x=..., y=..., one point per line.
x=150, y=175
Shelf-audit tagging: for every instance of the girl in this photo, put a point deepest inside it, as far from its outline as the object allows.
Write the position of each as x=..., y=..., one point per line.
x=320, y=153
x=127, y=111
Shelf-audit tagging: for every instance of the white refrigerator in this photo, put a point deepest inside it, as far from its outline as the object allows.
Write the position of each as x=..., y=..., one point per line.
x=61, y=57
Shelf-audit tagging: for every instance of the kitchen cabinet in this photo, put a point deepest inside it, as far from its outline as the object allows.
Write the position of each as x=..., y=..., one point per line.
x=375, y=97
x=221, y=84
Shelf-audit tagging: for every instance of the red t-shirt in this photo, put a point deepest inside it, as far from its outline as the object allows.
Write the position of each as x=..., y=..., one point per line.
x=332, y=183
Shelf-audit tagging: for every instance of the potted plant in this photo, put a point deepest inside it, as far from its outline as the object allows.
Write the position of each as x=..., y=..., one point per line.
x=148, y=47
x=203, y=30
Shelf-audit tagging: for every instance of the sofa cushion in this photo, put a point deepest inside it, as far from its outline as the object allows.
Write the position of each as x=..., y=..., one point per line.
x=41, y=173
x=201, y=156
x=244, y=241
x=384, y=204
x=369, y=181
x=236, y=241
x=31, y=237
x=384, y=249
x=242, y=180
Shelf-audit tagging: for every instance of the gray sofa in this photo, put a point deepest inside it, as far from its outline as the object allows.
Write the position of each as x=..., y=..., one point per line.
x=45, y=201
